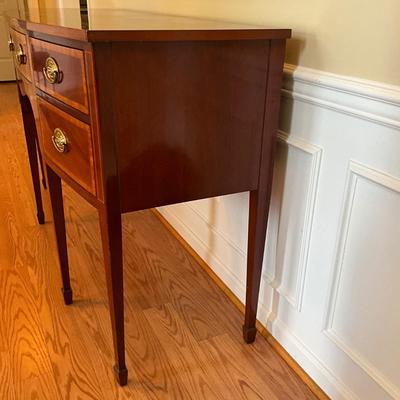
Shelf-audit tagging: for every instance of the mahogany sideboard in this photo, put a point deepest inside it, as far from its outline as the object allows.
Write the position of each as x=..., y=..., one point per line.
x=136, y=110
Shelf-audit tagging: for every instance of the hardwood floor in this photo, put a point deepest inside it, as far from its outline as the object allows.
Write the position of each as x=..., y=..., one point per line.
x=183, y=335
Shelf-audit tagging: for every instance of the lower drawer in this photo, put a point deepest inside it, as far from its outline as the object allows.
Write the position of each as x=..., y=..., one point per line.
x=67, y=142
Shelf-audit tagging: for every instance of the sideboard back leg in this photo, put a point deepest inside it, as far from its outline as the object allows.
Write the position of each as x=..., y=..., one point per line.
x=259, y=203
x=111, y=235
x=57, y=207
x=260, y=198
x=258, y=218
x=30, y=137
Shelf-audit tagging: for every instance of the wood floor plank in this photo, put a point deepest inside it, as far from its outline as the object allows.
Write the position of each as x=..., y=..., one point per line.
x=71, y=362
x=14, y=165
x=274, y=369
x=196, y=369
x=240, y=373
x=6, y=379
x=172, y=269
x=150, y=361
x=24, y=338
x=183, y=335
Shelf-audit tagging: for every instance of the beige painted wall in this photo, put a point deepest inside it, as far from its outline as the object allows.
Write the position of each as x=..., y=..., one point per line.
x=351, y=37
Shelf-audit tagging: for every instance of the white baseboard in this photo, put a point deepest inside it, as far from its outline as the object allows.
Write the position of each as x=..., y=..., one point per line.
x=309, y=361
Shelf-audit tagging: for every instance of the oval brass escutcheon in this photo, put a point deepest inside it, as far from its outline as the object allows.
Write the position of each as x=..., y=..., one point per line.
x=60, y=141
x=51, y=71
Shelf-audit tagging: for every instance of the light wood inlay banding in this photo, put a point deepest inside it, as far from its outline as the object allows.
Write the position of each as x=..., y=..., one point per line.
x=78, y=162
x=72, y=90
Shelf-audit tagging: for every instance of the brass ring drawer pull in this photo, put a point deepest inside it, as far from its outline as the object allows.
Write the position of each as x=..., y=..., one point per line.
x=51, y=71
x=60, y=141
x=11, y=45
x=20, y=56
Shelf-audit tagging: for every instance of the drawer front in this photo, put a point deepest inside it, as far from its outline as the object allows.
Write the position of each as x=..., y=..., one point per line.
x=67, y=142
x=22, y=59
x=60, y=72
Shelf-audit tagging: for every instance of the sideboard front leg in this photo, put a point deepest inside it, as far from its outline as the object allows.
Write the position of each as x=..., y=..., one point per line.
x=258, y=219
x=40, y=158
x=57, y=207
x=31, y=143
x=111, y=235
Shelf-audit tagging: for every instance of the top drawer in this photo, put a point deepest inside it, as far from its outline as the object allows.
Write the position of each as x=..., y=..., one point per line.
x=21, y=56
x=60, y=72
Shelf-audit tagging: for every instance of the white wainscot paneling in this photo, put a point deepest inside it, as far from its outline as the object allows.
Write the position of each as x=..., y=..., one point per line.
x=330, y=292
x=295, y=186
x=364, y=305
x=218, y=227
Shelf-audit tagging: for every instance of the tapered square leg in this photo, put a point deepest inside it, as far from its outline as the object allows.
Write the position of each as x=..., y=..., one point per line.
x=33, y=152
x=121, y=375
x=258, y=218
x=57, y=207
x=39, y=153
x=111, y=235
x=67, y=293
x=249, y=334
x=260, y=198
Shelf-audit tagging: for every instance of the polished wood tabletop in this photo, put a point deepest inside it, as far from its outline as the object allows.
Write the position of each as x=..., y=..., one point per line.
x=137, y=110
x=94, y=23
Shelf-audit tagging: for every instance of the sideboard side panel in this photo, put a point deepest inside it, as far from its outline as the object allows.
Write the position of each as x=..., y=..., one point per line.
x=189, y=119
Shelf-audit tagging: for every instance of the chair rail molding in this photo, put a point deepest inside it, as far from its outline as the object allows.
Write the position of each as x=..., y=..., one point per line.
x=373, y=101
